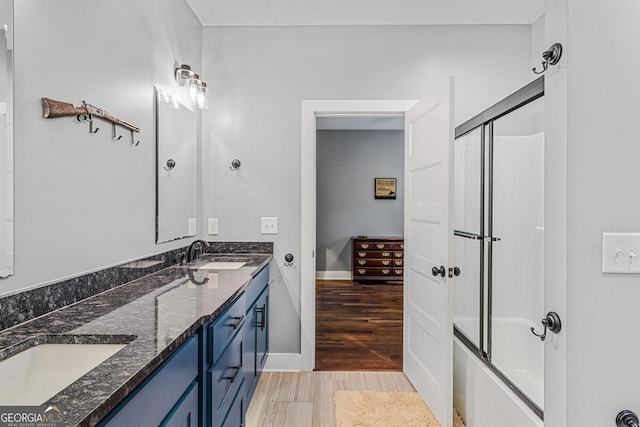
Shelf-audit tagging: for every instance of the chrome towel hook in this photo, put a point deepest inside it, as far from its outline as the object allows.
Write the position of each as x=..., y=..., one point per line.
x=550, y=56
x=550, y=322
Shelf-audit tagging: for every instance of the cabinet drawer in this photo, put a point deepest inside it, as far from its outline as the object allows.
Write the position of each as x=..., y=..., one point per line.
x=225, y=327
x=257, y=285
x=226, y=377
x=373, y=254
x=377, y=271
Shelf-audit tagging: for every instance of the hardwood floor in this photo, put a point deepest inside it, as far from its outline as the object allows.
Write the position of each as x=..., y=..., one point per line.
x=305, y=399
x=358, y=327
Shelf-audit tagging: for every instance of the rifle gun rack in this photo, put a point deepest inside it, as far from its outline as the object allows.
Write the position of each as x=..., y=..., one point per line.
x=115, y=136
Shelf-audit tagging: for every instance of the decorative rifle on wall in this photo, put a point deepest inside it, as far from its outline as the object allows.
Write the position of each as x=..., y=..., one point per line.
x=86, y=113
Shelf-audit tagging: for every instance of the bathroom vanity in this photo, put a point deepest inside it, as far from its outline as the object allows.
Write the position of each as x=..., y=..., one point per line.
x=195, y=341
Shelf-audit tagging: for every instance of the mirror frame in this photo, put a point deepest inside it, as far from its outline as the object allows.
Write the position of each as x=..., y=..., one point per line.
x=6, y=168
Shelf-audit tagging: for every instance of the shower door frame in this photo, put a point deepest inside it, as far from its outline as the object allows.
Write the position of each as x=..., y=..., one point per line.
x=484, y=121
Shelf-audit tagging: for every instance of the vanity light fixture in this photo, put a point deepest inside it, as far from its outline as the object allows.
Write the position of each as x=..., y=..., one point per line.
x=187, y=79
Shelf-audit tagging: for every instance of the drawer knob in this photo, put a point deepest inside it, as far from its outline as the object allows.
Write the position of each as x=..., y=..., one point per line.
x=386, y=262
x=380, y=246
x=362, y=254
x=362, y=261
x=385, y=271
x=362, y=271
x=364, y=245
x=386, y=253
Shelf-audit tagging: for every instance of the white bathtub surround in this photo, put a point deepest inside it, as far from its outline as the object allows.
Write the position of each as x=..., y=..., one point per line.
x=482, y=399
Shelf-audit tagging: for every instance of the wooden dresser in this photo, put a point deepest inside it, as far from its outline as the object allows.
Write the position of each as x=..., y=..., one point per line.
x=377, y=259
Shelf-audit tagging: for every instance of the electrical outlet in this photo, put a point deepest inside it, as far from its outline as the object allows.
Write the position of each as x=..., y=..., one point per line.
x=620, y=252
x=193, y=226
x=269, y=225
x=212, y=225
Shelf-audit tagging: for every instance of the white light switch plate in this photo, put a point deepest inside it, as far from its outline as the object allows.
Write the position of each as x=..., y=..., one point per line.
x=212, y=226
x=193, y=227
x=621, y=252
x=269, y=225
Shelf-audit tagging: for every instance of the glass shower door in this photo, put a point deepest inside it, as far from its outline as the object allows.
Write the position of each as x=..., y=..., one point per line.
x=517, y=269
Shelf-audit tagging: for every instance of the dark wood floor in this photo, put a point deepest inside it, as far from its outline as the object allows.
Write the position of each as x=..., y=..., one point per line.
x=358, y=327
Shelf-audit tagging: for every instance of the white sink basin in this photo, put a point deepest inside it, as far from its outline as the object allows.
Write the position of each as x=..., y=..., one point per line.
x=222, y=265
x=35, y=375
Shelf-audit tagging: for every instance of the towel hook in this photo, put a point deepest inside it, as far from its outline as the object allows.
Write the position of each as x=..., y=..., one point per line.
x=235, y=165
x=627, y=418
x=550, y=322
x=550, y=56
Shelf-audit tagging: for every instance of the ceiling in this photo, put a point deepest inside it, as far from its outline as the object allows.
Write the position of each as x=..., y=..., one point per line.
x=365, y=12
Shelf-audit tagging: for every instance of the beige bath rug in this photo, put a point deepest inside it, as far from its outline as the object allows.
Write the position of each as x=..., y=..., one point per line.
x=388, y=409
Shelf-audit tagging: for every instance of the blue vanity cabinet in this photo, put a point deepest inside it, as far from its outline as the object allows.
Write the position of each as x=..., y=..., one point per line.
x=168, y=397
x=256, y=330
x=224, y=367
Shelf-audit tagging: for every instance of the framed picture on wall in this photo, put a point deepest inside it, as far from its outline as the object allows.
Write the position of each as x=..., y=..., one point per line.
x=385, y=188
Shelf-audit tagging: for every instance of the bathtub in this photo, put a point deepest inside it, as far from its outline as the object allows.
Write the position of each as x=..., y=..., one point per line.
x=480, y=397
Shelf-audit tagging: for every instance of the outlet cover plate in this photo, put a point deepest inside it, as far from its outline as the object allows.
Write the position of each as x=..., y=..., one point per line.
x=212, y=225
x=269, y=225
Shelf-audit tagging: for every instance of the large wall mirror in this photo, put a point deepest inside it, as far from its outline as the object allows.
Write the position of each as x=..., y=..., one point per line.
x=6, y=138
x=176, y=207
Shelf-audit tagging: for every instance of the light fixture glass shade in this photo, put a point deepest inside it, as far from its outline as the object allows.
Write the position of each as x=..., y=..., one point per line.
x=183, y=75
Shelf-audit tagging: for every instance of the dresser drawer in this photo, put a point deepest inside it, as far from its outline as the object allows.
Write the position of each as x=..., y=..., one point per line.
x=377, y=271
x=374, y=262
x=373, y=254
x=394, y=246
x=225, y=327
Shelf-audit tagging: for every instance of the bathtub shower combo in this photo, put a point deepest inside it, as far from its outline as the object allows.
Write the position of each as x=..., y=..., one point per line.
x=498, y=243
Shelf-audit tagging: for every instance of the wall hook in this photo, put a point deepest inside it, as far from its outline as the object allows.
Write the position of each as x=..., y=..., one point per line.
x=550, y=322
x=170, y=165
x=627, y=418
x=114, y=133
x=288, y=260
x=91, y=126
x=550, y=56
x=134, y=143
x=235, y=165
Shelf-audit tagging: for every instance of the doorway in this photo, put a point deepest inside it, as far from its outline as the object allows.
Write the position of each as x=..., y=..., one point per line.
x=310, y=111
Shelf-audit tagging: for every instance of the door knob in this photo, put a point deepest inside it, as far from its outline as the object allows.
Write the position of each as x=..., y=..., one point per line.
x=438, y=271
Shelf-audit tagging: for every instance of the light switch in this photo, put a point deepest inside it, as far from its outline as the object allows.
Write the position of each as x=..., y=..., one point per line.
x=620, y=252
x=193, y=227
x=212, y=226
x=269, y=225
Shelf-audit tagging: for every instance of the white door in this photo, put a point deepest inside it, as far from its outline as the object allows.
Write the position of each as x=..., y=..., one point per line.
x=428, y=328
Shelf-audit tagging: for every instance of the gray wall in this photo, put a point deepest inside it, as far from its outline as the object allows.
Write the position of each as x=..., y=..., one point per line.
x=83, y=202
x=258, y=77
x=347, y=163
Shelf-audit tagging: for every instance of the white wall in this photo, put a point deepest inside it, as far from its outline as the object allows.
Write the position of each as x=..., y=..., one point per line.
x=259, y=76
x=603, y=101
x=83, y=202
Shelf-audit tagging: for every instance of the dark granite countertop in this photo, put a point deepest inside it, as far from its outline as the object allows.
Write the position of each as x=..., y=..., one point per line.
x=154, y=315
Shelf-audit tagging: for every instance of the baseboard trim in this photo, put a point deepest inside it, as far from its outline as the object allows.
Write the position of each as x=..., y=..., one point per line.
x=333, y=275
x=285, y=362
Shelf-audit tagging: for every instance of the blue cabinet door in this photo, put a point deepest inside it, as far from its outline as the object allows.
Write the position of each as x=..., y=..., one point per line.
x=185, y=413
x=151, y=402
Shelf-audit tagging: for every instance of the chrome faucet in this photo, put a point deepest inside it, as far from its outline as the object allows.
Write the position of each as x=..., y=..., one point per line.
x=192, y=252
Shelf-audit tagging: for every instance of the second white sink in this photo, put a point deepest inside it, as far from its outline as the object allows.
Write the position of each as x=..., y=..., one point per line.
x=33, y=376
x=222, y=265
